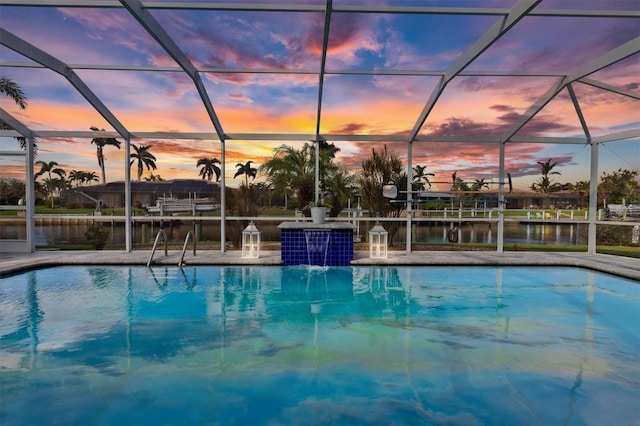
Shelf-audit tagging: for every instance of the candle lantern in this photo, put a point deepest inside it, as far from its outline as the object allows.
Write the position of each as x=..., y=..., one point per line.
x=378, y=242
x=251, y=242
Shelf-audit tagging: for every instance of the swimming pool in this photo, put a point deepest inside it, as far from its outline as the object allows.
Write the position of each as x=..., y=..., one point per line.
x=299, y=345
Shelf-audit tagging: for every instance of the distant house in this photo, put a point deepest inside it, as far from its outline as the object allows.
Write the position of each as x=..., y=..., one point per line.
x=539, y=200
x=111, y=194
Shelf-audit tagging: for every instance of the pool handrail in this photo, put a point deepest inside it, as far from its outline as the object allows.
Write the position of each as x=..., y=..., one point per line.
x=184, y=247
x=162, y=234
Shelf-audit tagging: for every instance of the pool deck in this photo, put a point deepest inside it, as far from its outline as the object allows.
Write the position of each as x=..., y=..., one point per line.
x=622, y=266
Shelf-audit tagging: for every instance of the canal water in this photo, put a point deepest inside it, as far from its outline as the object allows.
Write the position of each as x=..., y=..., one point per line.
x=72, y=232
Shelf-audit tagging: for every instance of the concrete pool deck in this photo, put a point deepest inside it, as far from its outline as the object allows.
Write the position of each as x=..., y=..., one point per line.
x=622, y=266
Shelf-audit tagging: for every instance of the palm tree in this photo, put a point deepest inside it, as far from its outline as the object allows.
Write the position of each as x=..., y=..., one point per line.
x=77, y=176
x=91, y=177
x=581, y=188
x=292, y=169
x=209, y=168
x=544, y=183
x=380, y=169
x=81, y=177
x=144, y=158
x=154, y=178
x=100, y=144
x=246, y=170
x=479, y=184
x=50, y=168
x=420, y=178
x=11, y=89
x=341, y=186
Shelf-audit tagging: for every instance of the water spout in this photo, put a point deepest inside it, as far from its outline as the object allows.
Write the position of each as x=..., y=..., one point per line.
x=317, y=246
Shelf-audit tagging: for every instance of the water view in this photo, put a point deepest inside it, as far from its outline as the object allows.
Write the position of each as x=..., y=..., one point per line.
x=70, y=232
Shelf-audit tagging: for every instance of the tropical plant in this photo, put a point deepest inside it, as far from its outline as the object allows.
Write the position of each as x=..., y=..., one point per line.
x=81, y=177
x=240, y=202
x=143, y=157
x=51, y=168
x=279, y=182
x=478, y=184
x=621, y=185
x=209, y=168
x=153, y=178
x=458, y=184
x=420, y=177
x=246, y=170
x=380, y=169
x=97, y=235
x=11, y=89
x=90, y=177
x=545, y=184
x=292, y=170
x=341, y=186
x=581, y=188
x=76, y=176
x=100, y=144
x=11, y=191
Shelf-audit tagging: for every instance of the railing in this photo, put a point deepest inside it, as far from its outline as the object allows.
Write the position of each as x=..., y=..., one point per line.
x=162, y=234
x=184, y=248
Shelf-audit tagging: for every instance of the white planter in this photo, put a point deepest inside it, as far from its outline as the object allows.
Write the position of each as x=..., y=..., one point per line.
x=318, y=214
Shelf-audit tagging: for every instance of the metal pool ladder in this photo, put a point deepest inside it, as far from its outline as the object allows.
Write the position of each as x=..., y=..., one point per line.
x=162, y=234
x=184, y=248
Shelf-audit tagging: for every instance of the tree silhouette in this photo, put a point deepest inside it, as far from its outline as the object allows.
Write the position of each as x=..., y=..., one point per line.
x=380, y=169
x=51, y=168
x=144, y=158
x=292, y=169
x=420, y=177
x=209, y=168
x=11, y=89
x=100, y=144
x=246, y=170
x=478, y=184
x=544, y=184
x=153, y=178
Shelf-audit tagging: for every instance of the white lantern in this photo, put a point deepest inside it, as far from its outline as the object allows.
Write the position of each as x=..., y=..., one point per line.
x=251, y=242
x=378, y=242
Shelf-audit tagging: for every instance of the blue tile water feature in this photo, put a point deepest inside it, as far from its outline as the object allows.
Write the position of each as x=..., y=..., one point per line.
x=329, y=244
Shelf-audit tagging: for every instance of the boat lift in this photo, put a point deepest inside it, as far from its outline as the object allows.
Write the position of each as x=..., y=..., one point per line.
x=391, y=192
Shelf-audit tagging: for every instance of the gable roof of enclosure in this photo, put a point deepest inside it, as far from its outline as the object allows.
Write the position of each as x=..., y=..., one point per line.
x=303, y=51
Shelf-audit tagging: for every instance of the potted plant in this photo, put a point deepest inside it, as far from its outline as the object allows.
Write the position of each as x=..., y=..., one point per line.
x=318, y=211
x=97, y=236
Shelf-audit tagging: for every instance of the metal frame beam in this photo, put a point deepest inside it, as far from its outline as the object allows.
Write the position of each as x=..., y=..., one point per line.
x=30, y=51
x=153, y=27
x=576, y=105
x=500, y=27
x=610, y=88
x=292, y=7
x=615, y=55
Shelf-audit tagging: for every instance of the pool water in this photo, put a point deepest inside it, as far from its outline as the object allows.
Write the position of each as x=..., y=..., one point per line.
x=310, y=345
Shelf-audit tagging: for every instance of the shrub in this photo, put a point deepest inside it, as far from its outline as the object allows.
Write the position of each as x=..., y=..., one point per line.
x=97, y=236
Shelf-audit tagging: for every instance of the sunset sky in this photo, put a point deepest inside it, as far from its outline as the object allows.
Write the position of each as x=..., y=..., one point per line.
x=261, y=72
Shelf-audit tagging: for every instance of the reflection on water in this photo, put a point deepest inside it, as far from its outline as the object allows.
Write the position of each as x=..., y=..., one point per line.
x=423, y=232
x=318, y=345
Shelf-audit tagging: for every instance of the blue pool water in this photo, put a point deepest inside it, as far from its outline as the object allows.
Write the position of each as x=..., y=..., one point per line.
x=303, y=346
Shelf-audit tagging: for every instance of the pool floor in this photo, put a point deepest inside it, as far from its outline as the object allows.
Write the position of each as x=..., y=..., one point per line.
x=310, y=345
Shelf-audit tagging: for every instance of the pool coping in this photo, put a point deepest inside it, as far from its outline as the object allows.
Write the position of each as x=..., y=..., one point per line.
x=626, y=267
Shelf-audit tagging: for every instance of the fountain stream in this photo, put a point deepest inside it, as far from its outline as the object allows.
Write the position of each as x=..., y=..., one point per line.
x=317, y=246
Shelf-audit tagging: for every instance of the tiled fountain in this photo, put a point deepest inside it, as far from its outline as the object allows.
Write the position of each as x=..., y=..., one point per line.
x=325, y=244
